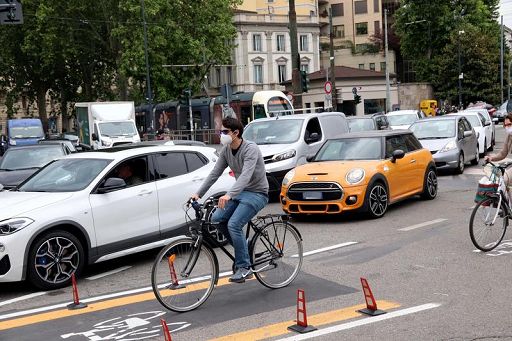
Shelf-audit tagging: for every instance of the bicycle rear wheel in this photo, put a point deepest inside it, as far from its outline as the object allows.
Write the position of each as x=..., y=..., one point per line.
x=172, y=287
x=488, y=224
x=276, y=252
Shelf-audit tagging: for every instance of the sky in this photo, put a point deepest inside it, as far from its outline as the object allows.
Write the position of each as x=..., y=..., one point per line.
x=506, y=11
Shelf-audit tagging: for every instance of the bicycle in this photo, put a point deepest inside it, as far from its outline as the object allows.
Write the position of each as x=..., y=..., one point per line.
x=489, y=219
x=185, y=271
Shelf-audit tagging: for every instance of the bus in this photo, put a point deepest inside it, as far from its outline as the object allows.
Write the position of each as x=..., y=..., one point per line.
x=270, y=103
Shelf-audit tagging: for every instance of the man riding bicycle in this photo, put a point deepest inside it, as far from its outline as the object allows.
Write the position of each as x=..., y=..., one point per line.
x=507, y=148
x=245, y=199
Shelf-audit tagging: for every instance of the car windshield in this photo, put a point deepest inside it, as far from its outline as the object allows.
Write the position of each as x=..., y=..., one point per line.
x=26, y=132
x=117, y=128
x=474, y=120
x=25, y=158
x=274, y=132
x=439, y=129
x=65, y=175
x=405, y=119
x=358, y=148
x=360, y=124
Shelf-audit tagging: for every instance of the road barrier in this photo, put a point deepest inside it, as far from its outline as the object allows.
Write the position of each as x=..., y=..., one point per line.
x=302, y=319
x=371, y=304
x=76, y=300
x=165, y=328
x=174, y=279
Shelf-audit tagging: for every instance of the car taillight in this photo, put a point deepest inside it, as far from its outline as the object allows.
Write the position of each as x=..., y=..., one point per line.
x=232, y=173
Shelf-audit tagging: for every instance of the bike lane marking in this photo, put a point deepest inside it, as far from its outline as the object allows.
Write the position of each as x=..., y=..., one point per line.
x=427, y=223
x=328, y=248
x=320, y=319
x=58, y=314
x=362, y=322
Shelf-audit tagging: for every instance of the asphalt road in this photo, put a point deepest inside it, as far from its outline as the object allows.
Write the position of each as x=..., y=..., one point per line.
x=418, y=260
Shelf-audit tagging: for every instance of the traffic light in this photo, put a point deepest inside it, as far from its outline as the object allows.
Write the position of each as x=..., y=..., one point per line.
x=357, y=98
x=185, y=95
x=304, y=81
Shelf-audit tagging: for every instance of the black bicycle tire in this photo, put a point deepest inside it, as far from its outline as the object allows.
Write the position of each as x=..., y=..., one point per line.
x=154, y=284
x=298, y=238
x=471, y=224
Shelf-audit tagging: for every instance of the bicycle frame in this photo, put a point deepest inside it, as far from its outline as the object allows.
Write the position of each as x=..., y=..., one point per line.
x=503, y=196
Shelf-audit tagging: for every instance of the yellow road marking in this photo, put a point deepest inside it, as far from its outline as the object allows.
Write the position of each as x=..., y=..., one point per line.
x=93, y=307
x=278, y=329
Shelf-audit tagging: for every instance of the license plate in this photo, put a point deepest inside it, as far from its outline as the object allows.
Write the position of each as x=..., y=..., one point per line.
x=312, y=195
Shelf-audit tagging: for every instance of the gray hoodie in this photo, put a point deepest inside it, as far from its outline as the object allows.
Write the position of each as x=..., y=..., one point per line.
x=248, y=167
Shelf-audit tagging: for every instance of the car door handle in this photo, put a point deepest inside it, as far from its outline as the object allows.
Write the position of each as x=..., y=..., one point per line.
x=197, y=179
x=413, y=161
x=144, y=193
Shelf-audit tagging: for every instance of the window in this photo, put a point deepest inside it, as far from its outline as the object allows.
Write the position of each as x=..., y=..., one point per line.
x=337, y=10
x=376, y=7
x=361, y=66
x=194, y=161
x=304, y=46
x=372, y=66
x=133, y=171
x=281, y=71
x=376, y=27
x=361, y=28
x=258, y=74
x=394, y=143
x=338, y=31
x=460, y=130
x=313, y=127
x=256, y=42
x=412, y=143
x=361, y=7
x=372, y=106
x=383, y=66
x=281, y=42
x=304, y=67
x=218, y=78
x=170, y=165
x=229, y=71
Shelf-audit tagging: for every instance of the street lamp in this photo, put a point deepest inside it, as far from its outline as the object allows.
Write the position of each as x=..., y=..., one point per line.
x=461, y=75
x=148, y=79
x=509, y=77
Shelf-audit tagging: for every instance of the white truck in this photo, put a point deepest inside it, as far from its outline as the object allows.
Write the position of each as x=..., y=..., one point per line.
x=106, y=124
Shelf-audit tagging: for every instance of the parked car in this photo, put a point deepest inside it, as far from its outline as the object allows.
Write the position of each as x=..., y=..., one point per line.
x=402, y=119
x=361, y=171
x=367, y=122
x=286, y=141
x=451, y=140
x=488, y=119
x=65, y=142
x=18, y=163
x=482, y=129
x=78, y=210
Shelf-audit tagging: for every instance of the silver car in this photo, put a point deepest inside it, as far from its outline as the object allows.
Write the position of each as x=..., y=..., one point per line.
x=451, y=140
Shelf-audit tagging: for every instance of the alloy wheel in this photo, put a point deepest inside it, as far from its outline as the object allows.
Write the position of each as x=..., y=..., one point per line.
x=432, y=183
x=378, y=200
x=56, y=259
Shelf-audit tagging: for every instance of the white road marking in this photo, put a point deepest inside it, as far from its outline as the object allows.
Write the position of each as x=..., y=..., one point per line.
x=22, y=298
x=328, y=248
x=108, y=273
x=88, y=300
x=427, y=223
x=362, y=322
x=474, y=171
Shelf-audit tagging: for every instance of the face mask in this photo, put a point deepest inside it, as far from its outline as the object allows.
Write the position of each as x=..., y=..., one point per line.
x=225, y=139
x=509, y=130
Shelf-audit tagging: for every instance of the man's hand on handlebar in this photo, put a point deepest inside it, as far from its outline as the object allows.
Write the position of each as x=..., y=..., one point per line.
x=194, y=197
x=223, y=200
x=487, y=159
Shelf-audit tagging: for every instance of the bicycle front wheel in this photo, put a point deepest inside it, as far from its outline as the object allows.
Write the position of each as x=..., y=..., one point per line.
x=488, y=224
x=276, y=254
x=183, y=276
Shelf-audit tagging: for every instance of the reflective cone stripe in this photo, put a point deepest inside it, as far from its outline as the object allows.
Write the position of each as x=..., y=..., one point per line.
x=371, y=304
x=76, y=299
x=302, y=319
x=174, y=278
x=165, y=329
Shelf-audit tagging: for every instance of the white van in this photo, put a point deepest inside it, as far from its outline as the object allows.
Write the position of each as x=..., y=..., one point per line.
x=286, y=141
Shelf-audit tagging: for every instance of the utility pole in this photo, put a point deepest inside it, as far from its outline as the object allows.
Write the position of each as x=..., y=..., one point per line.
x=509, y=78
x=388, y=94
x=334, y=93
x=297, y=88
x=460, y=71
x=148, y=79
x=501, y=60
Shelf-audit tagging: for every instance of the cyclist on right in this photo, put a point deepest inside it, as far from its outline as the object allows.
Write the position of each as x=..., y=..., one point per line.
x=507, y=148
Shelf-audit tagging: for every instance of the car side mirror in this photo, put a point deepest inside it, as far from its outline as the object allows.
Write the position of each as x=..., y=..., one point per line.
x=495, y=120
x=310, y=158
x=3, y=139
x=468, y=133
x=314, y=137
x=111, y=184
x=397, y=154
x=94, y=137
x=487, y=123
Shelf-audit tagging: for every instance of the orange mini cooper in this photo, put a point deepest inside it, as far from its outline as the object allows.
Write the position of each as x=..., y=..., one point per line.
x=367, y=171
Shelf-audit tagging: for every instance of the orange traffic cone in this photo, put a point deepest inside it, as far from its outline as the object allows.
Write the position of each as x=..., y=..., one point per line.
x=302, y=319
x=371, y=304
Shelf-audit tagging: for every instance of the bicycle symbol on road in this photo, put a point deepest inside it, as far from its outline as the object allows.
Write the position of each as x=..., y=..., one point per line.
x=504, y=248
x=138, y=326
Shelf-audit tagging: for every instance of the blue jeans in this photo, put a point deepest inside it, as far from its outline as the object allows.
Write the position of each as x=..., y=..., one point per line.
x=236, y=214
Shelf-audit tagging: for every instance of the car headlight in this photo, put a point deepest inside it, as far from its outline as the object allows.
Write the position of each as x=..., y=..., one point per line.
x=355, y=175
x=449, y=146
x=12, y=142
x=285, y=155
x=288, y=177
x=105, y=142
x=10, y=226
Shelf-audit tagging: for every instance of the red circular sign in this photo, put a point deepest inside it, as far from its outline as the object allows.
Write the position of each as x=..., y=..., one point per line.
x=328, y=87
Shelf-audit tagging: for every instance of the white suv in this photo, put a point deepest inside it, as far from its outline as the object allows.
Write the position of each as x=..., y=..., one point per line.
x=78, y=210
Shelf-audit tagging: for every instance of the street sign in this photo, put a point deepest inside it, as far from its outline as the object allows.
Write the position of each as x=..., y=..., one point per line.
x=328, y=87
x=11, y=12
x=354, y=91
